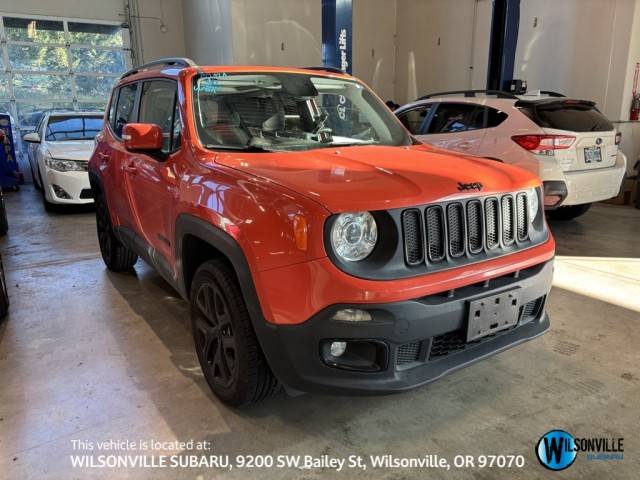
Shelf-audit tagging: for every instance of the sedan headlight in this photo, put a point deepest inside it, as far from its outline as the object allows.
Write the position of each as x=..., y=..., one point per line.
x=534, y=203
x=354, y=236
x=65, y=165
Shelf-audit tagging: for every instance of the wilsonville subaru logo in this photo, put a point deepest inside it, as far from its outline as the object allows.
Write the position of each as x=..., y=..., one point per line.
x=556, y=450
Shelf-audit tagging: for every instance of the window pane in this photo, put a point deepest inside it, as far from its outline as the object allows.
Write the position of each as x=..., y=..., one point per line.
x=157, y=106
x=4, y=87
x=33, y=57
x=414, y=119
x=41, y=87
x=124, y=110
x=5, y=107
x=30, y=30
x=72, y=128
x=495, y=117
x=29, y=114
x=93, y=34
x=92, y=106
x=581, y=117
x=451, y=117
x=98, y=61
x=90, y=88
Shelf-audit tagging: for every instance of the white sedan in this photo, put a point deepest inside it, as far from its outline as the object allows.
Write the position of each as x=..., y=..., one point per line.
x=59, y=151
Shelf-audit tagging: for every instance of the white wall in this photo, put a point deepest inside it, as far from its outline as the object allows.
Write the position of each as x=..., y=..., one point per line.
x=374, y=45
x=282, y=32
x=155, y=43
x=577, y=47
x=207, y=30
x=438, y=42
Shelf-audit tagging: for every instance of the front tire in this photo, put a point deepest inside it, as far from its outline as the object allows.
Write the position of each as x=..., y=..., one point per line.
x=228, y=351
x=116, y=256
x=570, y=212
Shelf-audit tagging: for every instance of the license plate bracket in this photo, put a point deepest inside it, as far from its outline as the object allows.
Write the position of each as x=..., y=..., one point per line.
x=492, y=314
x=592, y=155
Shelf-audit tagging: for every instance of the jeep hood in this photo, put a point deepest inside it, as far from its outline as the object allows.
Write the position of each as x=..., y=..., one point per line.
x=379, y=177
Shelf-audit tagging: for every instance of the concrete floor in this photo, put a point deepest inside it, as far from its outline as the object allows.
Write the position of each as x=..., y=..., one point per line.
x=91, y=355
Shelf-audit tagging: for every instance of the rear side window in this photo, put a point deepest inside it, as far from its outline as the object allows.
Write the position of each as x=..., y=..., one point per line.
x=495, y=117
x=455, y=117
x=413, y=120
x=124, y=109
x=574, y=117
x=158, y=106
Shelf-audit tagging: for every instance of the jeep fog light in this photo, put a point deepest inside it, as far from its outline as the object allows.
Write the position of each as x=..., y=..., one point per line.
x=355, y=354
x=352, y=315
x=338, y=348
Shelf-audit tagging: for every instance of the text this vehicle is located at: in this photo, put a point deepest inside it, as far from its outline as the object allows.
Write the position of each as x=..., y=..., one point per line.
x=318, y=245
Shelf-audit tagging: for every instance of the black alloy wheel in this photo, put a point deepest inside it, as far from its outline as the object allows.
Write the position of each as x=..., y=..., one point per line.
x=214, y=336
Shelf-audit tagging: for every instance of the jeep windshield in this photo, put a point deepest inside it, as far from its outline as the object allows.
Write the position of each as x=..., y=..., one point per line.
x=288, y=111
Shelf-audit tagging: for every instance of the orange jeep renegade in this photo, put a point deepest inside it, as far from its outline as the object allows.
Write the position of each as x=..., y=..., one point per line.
x=319, y=245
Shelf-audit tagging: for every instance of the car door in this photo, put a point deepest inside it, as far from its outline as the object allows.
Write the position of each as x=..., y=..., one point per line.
x=456, y=126
x=115, y=157
x=152, y=178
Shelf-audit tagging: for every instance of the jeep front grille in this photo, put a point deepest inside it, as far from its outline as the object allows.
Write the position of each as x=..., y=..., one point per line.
x=464, y=228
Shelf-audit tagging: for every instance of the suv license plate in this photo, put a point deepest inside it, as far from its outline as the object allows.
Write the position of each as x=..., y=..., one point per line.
x=493, y=314
x=592, y=155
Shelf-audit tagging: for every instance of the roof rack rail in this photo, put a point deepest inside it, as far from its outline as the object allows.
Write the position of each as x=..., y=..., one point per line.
x=162, y=62
x=550, y=93
x=326, y=69
x=471, y=93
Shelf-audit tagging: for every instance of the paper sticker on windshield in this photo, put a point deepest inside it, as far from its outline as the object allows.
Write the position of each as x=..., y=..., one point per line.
x=209, y=83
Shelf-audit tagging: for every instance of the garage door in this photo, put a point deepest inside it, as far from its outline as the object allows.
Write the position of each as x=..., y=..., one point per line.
x=58, y=63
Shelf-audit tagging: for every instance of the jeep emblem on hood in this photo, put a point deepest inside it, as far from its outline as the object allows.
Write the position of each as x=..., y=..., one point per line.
x=469, y=186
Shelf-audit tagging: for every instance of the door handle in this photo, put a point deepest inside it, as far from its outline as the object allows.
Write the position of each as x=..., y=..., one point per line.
x=103, y=156
x=130, y=168
x=465, y=145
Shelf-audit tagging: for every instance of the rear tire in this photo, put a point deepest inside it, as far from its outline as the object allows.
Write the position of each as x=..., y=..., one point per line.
x=228, y=350
x=4, y=296
x=569, y=213
x=4, y=224
x=116, y=256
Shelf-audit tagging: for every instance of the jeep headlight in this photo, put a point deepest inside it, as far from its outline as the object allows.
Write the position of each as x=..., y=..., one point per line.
x=354, y=236
x=534, y=203
x=62, y=165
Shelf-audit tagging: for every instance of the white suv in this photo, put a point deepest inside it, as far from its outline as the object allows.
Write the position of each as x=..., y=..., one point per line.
x=568, y=143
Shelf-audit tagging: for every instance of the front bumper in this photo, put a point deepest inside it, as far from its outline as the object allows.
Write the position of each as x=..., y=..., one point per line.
x=430, y=328
x=75, y=184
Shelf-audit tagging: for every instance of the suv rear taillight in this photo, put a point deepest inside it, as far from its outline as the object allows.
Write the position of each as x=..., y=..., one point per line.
x=618, y=138
x=544, y=144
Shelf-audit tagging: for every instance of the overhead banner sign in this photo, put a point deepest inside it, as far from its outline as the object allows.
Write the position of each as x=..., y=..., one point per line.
x=337, y=34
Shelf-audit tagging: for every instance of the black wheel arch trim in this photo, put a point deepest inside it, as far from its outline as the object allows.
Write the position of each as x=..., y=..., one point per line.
x=266, y=333
x=223, y=242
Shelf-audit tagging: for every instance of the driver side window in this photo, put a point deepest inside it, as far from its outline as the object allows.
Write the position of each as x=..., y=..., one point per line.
x=158, y=106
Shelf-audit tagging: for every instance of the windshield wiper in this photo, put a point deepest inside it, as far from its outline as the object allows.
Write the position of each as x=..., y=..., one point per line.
x=245, y=148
